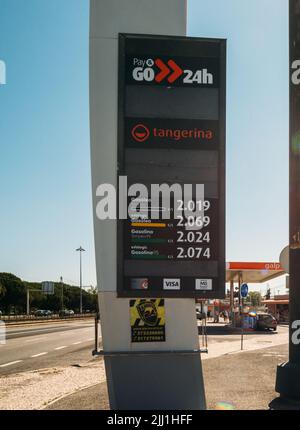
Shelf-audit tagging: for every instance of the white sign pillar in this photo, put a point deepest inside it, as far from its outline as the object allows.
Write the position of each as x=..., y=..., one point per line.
x=155, y=375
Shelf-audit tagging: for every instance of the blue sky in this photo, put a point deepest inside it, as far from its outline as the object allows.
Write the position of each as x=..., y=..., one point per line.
x=45, y=185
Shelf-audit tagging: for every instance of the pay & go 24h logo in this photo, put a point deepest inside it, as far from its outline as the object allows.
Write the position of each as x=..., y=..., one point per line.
x=168, y=71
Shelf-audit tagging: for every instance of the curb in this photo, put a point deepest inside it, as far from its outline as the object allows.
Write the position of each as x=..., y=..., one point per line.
x=57, y=399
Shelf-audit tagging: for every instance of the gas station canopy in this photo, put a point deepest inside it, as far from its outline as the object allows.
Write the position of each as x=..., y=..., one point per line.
x=253, y=272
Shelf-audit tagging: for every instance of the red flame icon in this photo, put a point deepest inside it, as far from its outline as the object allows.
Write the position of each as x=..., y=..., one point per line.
x=140, y=133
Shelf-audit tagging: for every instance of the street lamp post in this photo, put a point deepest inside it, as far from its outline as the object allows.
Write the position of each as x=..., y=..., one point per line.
x=80, y=251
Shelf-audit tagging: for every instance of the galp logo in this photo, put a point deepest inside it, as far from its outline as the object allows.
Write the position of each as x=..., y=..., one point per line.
x=168, y=71
x=140, y=133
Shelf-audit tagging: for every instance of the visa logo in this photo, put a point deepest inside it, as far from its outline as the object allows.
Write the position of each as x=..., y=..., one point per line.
x=171, y=284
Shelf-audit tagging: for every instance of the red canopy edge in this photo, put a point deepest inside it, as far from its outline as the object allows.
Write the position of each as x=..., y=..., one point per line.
x=254, y=266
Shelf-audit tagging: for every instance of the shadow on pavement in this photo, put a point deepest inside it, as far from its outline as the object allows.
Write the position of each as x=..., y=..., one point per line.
x=282, y=404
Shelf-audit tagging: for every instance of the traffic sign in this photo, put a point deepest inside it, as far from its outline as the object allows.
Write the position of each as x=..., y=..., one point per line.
x=244, y=290
x=172, y=107
x=48, y=287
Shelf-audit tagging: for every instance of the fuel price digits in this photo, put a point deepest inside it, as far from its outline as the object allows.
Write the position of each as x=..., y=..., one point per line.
x=193, y=237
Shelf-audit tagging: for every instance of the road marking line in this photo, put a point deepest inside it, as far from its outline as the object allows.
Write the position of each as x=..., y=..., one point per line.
x=66, y=332
x=60, y=347
x=76, y=343
x=34, y=340
x=39, y=330
x=38, y=355
x=11, y=363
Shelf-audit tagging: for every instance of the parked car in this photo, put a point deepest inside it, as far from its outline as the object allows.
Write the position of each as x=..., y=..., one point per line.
x=266, y=321
x=42, y=313
x=39, y=313
x=66, y=313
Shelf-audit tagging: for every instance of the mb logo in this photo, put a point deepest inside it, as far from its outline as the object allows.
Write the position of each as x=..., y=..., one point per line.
x=2, y=73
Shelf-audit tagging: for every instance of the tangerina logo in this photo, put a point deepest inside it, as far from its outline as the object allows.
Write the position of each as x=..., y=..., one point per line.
x=140, y=133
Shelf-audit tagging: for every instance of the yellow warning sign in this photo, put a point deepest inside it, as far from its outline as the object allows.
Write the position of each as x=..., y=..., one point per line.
x=147, y=320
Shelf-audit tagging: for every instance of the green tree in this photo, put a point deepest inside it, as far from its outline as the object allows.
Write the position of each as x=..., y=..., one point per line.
x=268, y=294
x=255, y=298
x=2, y=290
x=13, y=296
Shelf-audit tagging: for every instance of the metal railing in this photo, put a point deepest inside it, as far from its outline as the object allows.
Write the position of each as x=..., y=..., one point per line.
x=203, y=335
x=96, y=345
x=56, y=316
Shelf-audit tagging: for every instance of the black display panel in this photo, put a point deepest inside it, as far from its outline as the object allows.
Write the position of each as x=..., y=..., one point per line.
x=169, y=102
x=171, y=133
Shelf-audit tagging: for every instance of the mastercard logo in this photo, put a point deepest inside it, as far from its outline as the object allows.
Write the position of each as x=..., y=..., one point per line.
x=140, y=133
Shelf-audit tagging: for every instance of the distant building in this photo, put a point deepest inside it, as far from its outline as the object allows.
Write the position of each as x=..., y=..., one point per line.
x=279, y=307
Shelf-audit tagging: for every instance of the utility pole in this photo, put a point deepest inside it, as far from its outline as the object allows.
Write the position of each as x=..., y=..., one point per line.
x=240, y=298
x=62, y=293
x=27, y=302
x=28, y=299
x=232, y=302
x=80, y=249
x=288, y=374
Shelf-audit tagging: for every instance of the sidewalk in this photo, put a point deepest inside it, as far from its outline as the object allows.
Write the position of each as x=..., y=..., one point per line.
x=245, y=378
x=243, y=381
x=224, y=341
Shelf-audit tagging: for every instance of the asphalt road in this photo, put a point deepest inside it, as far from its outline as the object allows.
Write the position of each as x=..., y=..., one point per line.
x=230, y=375
x=46, y=345
x=67, y=343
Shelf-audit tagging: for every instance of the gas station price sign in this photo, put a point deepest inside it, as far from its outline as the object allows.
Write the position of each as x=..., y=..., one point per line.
x=171, y=136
